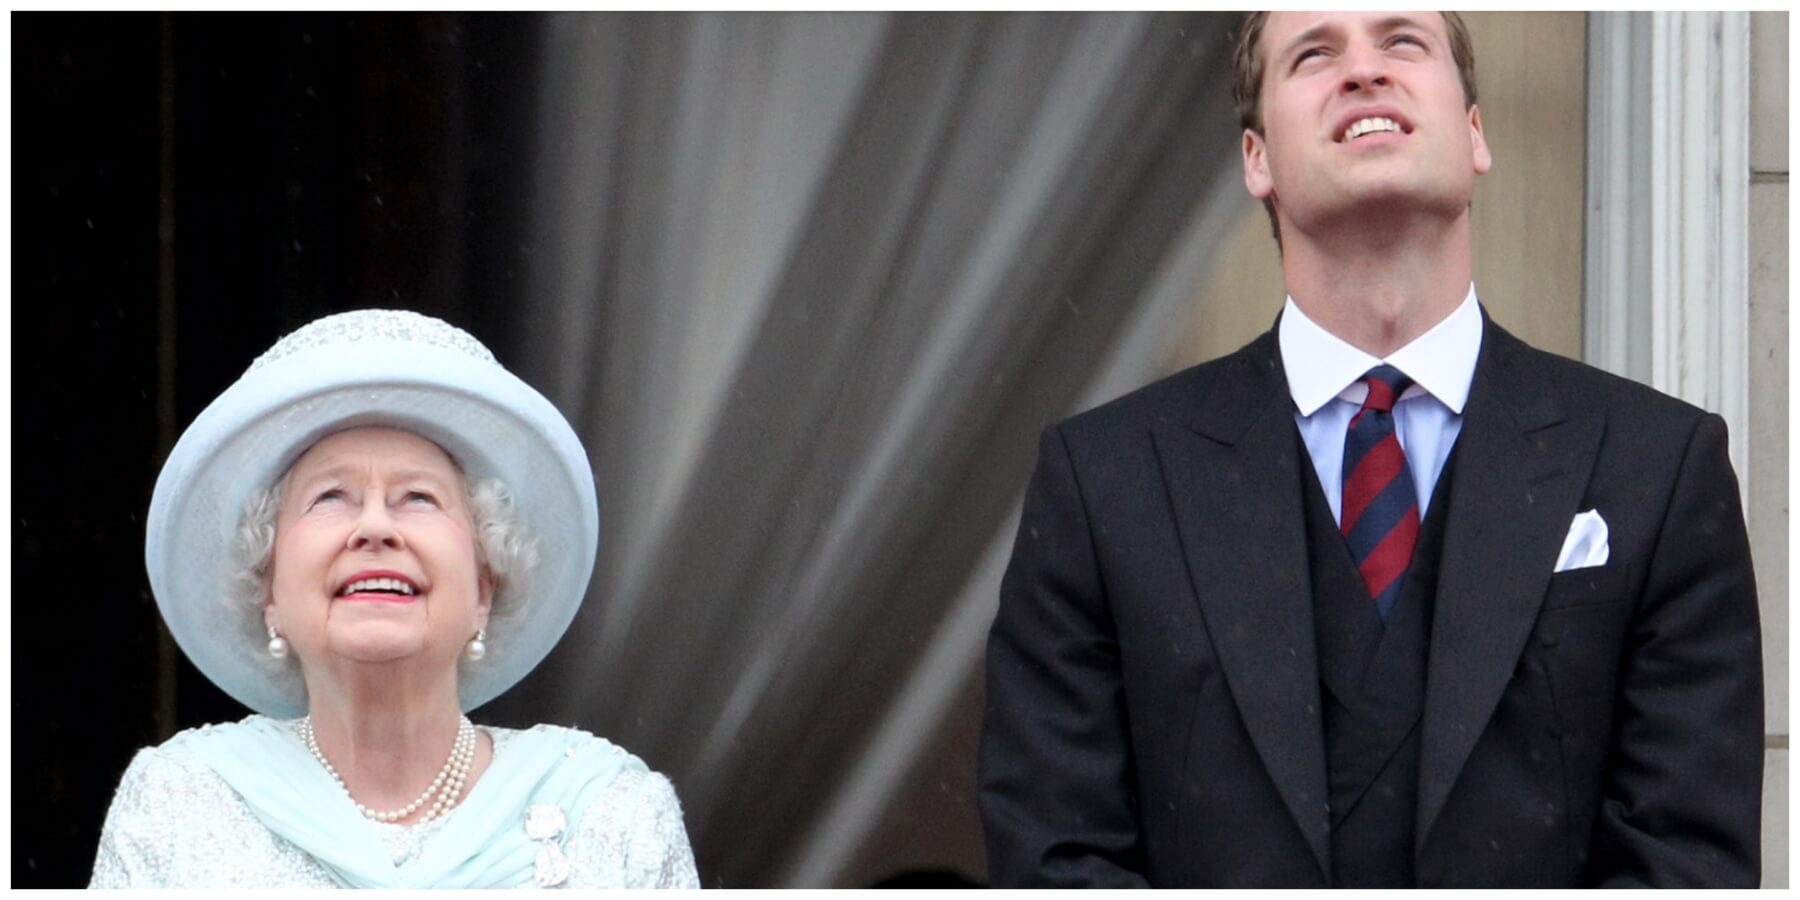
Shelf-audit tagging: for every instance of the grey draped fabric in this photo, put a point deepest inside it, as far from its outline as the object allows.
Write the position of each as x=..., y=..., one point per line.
x=808, y=285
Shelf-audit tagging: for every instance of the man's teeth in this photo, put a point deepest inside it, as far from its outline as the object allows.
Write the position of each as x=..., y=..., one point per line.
x=392, y=585
x=1365, y=126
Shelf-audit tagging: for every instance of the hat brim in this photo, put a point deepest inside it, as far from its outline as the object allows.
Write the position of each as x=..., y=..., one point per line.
x=489, y=421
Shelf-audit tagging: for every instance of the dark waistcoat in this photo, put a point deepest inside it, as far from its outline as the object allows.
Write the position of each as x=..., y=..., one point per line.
x=1372, y=685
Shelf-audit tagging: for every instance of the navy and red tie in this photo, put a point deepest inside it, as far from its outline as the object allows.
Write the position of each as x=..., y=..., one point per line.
x=1380, y=518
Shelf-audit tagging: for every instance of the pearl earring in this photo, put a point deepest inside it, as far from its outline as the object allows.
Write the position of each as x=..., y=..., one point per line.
x=477, y=645
x=278, y=646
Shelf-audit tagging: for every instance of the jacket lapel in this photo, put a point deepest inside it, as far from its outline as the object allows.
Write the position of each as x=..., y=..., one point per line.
x=1523, y=465
x=1233, y=477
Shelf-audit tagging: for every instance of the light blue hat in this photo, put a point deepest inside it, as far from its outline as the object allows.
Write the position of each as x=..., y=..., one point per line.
x=372, y=367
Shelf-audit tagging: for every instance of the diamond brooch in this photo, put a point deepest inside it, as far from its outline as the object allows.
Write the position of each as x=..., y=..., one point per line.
x=544, y=823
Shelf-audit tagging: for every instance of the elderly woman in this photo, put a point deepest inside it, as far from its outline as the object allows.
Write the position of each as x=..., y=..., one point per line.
x=372, y=531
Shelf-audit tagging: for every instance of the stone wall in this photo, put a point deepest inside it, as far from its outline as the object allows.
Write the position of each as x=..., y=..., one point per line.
x=1768, y=470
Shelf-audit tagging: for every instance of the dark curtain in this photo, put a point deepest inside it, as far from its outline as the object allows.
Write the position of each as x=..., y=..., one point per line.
x=806, y=284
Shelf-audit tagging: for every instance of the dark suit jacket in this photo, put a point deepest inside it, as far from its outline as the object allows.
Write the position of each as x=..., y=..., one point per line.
x=1152, y=686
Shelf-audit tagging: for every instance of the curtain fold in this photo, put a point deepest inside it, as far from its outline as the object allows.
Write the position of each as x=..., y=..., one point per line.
x=809, y=285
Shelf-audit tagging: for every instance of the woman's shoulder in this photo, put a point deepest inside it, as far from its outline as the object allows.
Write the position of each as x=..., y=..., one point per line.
x=170, y=776
x=567, y=734
x=179, y=768
x=631, y=834
x=176, y=759
x=170, y=811
x=634, y=776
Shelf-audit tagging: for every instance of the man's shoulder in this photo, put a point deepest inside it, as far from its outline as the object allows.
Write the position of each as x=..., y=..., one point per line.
x=1588, y=387
x=1176, y=396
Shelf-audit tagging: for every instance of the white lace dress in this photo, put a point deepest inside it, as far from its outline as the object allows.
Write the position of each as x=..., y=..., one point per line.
x=175, y=823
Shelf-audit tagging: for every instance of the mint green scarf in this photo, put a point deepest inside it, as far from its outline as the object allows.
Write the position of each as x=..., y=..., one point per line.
x=482, y=844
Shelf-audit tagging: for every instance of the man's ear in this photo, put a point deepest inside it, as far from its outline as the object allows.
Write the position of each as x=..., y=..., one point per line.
x=1256, y=166
x=1483, y=158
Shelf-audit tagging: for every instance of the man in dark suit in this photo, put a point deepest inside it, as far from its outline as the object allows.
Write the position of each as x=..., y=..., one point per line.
x=1387, y=597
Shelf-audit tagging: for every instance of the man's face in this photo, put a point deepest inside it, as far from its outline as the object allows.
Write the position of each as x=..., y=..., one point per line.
x=1362, y=114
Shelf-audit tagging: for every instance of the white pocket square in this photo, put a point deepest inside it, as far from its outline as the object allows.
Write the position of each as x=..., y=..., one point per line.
x=1585, y=544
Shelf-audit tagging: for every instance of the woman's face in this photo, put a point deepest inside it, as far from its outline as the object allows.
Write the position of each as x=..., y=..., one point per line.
x=375, y=556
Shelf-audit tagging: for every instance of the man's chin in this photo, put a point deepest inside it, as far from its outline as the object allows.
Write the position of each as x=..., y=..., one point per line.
x=1390, y=203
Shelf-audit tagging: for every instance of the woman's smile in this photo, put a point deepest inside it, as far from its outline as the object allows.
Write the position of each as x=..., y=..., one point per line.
x=379, y=586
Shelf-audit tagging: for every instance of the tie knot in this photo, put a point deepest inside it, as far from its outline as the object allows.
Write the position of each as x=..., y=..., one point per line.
x=1386, y=384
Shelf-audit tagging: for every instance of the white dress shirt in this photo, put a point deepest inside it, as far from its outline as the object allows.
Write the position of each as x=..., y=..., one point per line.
x=1324, y=375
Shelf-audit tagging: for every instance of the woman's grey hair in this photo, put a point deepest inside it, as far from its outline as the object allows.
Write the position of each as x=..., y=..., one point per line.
x=503, y=546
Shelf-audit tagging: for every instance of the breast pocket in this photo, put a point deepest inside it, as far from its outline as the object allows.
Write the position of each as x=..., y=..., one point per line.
x=1582, y=624
x=1590, y=586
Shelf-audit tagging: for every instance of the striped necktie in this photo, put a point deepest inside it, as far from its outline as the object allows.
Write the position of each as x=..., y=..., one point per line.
x=1380, y=518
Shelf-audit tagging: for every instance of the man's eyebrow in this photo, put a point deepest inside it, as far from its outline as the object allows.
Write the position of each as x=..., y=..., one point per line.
x=1391, y=23
x=1396, y=23
x=1307, y=37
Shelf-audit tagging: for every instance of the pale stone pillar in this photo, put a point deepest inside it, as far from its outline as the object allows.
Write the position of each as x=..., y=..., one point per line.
x=1686, y=286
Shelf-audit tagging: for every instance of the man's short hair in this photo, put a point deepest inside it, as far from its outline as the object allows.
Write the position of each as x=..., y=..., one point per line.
x=1247, y=75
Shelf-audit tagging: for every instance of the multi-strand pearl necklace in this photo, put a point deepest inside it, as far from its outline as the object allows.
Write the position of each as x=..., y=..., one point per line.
x=446, y=787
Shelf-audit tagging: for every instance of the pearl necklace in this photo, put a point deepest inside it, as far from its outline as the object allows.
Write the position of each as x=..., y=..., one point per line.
x=446, y=787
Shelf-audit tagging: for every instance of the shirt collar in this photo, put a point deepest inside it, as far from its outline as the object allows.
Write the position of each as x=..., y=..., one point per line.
x=1320, y=365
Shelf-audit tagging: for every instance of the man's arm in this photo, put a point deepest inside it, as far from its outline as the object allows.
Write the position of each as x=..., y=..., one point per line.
x=1683, y=796
x=1057, y=800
